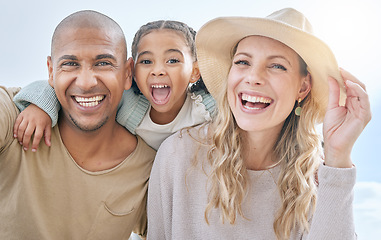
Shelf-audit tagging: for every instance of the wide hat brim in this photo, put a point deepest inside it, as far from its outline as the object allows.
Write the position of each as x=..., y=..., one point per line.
x=217, y=38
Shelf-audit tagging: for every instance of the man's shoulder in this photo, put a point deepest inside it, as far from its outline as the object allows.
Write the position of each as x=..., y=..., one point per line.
x=8, y=109
x=7, y=94
x=144, y=148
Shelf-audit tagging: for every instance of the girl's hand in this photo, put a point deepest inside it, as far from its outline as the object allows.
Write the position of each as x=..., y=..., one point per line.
x=32, y=120
x=343, y=124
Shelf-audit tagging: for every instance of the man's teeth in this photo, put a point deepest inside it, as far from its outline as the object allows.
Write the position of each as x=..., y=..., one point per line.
x=255, y=99
x=89, y=102
x=159, y=86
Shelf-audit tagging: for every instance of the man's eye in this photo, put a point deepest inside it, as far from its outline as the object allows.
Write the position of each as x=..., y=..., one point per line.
x=69, y=64
x=103, y=64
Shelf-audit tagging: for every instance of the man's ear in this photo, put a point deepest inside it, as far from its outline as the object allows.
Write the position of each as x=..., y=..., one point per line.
x=129, y=73
x=50, y=71
x=305, y=86
x=195, y=73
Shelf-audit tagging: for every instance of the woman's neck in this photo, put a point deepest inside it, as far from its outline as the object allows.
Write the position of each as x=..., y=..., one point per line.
x=258, y=150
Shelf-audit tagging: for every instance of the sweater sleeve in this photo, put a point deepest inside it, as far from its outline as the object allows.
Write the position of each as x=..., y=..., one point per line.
x=333, y=218
x=131, y=110
x=41, y=94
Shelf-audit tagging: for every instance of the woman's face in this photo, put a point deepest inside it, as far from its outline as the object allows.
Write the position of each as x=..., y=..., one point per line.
x=264, y=83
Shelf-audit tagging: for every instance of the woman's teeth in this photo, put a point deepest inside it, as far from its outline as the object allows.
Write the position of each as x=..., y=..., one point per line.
x=255, y=99
x=255, y=102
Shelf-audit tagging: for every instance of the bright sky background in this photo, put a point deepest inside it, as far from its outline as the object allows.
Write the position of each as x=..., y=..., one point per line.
x=351, y=28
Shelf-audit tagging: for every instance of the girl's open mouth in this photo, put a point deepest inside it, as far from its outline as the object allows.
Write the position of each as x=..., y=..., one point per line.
x=160, y=93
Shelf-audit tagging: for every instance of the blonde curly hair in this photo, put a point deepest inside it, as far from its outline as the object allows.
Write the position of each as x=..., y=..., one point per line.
x=299, y=151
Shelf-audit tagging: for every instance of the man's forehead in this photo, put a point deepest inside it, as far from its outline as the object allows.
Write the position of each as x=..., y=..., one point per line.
x=76, y=33
x=89, y=39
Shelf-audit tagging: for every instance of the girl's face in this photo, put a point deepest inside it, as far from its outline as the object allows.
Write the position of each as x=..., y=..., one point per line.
x=163, y=69
x=263, y=84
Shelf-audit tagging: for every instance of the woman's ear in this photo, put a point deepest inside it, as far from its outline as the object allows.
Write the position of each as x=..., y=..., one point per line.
x=195, y=73
x=50, y=71
x=305, y=86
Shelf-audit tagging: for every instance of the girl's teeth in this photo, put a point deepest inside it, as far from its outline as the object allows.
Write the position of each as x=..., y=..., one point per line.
x=159, y=86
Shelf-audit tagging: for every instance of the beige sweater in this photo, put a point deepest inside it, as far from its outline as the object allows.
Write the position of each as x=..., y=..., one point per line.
x=46, y=195
x=177, y=198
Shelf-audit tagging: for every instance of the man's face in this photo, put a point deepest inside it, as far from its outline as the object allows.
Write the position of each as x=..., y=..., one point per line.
x=89, y=72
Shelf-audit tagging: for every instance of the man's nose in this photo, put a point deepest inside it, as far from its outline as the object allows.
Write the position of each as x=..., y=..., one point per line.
x=86, y=79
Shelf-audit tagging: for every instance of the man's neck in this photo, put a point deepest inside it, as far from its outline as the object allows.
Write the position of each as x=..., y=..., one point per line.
x=100, y=149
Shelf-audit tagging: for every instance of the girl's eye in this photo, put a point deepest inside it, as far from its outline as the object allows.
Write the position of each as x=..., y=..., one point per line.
x=173, y=60
x=278, y=66
x=241, y=62
x=145, y=62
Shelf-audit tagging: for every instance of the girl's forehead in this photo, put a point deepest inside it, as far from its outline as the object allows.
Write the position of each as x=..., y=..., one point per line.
x=163, y=38
x=165, y=32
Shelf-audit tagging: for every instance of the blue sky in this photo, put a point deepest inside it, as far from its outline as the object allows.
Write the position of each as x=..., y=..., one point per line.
x=351, y=28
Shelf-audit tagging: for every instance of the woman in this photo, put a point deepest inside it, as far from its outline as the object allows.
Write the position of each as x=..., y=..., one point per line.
x=258, y=170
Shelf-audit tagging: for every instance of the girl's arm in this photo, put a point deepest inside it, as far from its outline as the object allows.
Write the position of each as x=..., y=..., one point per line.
x=36, y=119
x=131, y=110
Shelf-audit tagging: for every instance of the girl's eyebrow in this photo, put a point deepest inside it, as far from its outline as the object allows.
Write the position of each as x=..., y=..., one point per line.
x=167, y=51
x=143, y=53
x=174, y=50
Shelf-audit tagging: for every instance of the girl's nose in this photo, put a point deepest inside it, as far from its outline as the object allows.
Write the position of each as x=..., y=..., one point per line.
x=158, y=70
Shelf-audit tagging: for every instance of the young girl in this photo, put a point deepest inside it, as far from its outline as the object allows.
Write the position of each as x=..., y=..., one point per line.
x=257, y=171
x=165, y=65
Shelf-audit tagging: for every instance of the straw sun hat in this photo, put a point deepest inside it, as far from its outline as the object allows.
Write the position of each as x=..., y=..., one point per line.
x=216, y=40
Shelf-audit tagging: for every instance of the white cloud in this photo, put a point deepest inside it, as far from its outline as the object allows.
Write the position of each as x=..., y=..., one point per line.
x=367, y=210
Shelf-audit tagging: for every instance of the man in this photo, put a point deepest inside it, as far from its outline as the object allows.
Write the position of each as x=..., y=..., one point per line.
x=92, y=182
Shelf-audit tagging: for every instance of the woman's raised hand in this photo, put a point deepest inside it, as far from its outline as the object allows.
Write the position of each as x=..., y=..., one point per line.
x=343, y=124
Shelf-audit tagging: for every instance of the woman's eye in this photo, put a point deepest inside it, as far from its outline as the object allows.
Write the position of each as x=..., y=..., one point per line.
x=278, y=66
x=173, y=60
x=241, y=62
